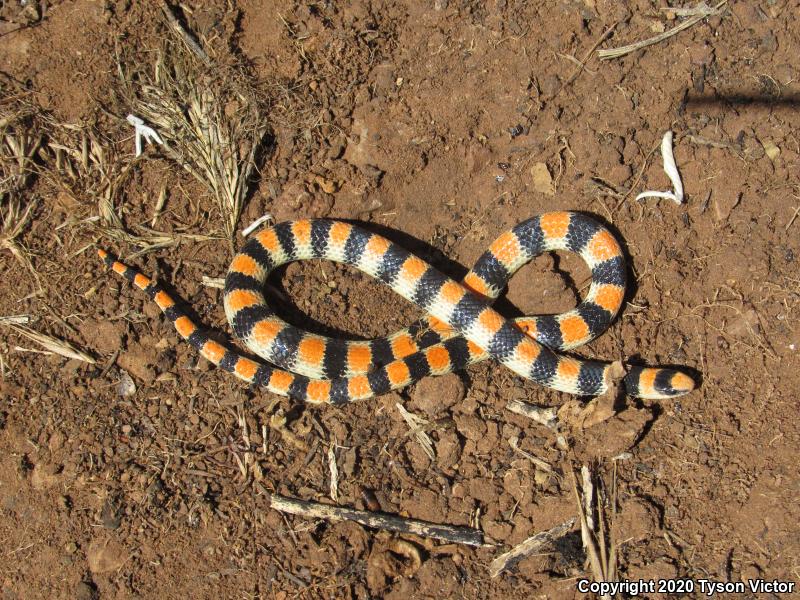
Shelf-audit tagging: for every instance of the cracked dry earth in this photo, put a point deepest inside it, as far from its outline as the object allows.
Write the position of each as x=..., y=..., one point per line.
x=440, y=124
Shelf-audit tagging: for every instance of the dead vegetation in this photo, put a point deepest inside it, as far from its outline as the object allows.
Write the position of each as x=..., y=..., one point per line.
x=212, y=121
x=87, y=167
x=596, y=510
x=20, y=140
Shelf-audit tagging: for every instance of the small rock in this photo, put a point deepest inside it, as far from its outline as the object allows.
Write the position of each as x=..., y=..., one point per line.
x=372, y=172
x=770, y=149
x=326, y=185
x=435, y=394
x=542, y=180
x=619, y=174
x=101, y=335
x=105, y=555
x=497, y=530
x=86, y=591
x=618, y=434
x=448, y=449
x=744, y=325
x=471, y=427
x=126, y=387
x=724, y=205
x=44, y=476
x=138, y=361
x=109, y=516
x=56, y=441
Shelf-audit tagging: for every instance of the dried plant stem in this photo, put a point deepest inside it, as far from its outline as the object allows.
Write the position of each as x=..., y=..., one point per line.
x=530, y=546
x=210, y=120
x=598, y=540
x=20, y=141
x=610, y=53
x=51, y=344
x=448, y=533
x=187, y=38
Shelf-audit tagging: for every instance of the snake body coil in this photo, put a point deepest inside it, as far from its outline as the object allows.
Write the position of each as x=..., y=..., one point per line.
x=460, y=326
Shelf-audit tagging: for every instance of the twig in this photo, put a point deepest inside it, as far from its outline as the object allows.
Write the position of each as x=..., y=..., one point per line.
x=187, y=38
x=162, y=199
x=53, y=345
x=701, y=9
x=508, y=559
x=15, y=320
x=584, y=60
x=543, y=415
x=214, y=282
x=449, y=533
x=610, y=53
x=586, y=534
x=794, y=216
x=596, y=533
x=700, y=140
x=514, y=443
x=334, y=471
x=416, y=424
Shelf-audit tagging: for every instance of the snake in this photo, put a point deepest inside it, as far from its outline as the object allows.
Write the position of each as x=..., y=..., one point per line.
x=459, y=327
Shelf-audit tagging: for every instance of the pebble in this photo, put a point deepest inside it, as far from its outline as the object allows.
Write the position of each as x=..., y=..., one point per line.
x=542, y=180
x=44, y=476
x=105, y=555
x=86, y=591
x=435, y=394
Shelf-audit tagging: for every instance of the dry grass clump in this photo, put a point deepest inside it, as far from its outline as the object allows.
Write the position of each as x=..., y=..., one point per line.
x=88, y=167
x=20, y=141
x=597, y=509
x=210, y=118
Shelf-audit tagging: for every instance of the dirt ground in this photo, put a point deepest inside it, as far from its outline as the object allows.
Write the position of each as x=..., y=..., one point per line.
x=428, y=121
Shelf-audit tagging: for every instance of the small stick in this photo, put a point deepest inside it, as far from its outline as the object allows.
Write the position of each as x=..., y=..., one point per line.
x=584, y=60
x=448, y=533
x=794, y=216
x=214, y=282
x=334, y=472
x=15, y=320
x=162, y=199
x=415, y=424
x=508, y=559
x=543, y=416
x=609, y=53
x=190, y=42
x=51, y=344
x=514, y=443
